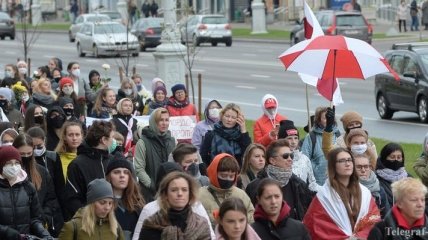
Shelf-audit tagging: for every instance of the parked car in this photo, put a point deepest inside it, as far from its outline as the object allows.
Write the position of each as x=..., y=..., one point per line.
x=114, y=16
x=106, y=39
x=148, y=31
x=212, y=29
x=410, y=93
x=80, y=20
x=7, y=26
x=349, y=24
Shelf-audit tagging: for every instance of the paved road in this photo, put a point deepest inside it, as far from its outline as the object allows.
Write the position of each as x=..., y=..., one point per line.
x=242, y=74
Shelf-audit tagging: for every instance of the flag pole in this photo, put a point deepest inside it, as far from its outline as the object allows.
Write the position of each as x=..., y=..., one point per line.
x=334, y=78
x=307, y=107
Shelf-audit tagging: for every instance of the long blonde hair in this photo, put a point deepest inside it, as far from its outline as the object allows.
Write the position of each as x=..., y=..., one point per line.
x=89, y=220
x=62, y=146
x=38, y=88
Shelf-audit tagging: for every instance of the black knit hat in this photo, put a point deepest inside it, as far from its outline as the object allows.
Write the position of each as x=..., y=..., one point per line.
x=119, y=163
x=287, y=128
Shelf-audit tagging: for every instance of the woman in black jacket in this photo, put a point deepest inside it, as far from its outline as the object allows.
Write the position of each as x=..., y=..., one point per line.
x=39, y=176
x=124, y=122
x=272, y=219
x=129, y=90
x=54, y=119
x=19, y=206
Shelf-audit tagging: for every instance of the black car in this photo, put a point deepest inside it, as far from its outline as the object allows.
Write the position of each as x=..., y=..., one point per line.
x=410, y=93
x=7, y=26
x=148, y=31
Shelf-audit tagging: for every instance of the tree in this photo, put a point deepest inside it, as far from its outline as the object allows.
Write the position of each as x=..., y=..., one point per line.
x=28, y=34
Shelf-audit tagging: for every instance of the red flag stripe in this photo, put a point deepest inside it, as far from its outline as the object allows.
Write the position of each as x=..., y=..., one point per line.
x=346, y=67
x=308, y=28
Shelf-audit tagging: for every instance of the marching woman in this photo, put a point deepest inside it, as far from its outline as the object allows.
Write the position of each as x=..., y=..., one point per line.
x=342, y=208
x=175, y=219
x=272, y=216
x=254, y=162
x=233, y=223
x=125, y=124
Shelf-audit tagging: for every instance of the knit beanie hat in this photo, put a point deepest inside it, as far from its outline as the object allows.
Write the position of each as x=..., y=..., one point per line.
x=8, y=153
x=65, y=80
x=119, y=163
x=98, y=189
x=62, y=101
x=287, y=128
x=177, y=87
x=6, y=92
x=356, y=132
x=350, y=117
x=159, y=88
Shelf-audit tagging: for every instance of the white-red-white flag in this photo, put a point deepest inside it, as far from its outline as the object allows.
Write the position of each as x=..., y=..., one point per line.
x=312, y=30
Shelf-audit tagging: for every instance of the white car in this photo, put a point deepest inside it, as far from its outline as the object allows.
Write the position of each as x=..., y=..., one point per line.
x=80, y=20
x=206, y=28
x=106, y=39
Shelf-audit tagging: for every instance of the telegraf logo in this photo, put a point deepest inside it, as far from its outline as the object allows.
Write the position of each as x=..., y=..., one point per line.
x=405, y=233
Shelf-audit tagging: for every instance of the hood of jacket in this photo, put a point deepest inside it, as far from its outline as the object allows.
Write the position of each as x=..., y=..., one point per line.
x=57, y=109
x=212, y=169
x=265, y=97
x=43, y=98
x=208, y=119
x=153, y=126
x=260, y=214
x=91, y=152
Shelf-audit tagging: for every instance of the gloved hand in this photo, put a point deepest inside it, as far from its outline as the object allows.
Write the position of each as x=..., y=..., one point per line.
x=330, y=116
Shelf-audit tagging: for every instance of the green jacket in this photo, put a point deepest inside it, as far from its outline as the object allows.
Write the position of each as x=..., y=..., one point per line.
x=102, y=230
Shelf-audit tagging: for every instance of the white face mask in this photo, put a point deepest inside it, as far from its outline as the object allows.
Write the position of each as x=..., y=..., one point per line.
x=127, y=92
x=11, y=171
x=76, y=72
x=39, y=152
x=214, y=113
x=25, y=97
x=359, y=149
x=7, y=144
x=8, y=73
x=22, y=70
x=67, y=90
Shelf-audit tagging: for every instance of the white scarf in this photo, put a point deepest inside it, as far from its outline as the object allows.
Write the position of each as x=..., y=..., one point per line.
x=335, y=208
x=3, y=116
x=129, y=127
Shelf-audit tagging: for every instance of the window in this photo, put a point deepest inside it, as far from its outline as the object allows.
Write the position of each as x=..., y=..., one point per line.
x=397, y=63
x=410, y=65
x=350, y=20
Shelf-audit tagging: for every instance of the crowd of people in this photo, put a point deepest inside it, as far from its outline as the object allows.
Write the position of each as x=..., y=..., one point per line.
x=116, y=178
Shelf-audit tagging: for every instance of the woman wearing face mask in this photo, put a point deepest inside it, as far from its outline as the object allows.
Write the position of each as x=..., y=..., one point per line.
x=272, y=215
x=96, y=219
x=129, y=90
x=55, y=118
x=179, y=104
x=254, y=161
x=124, y=122
x=81, y=87
x=105, y=105
x=128, y=200
x=11, y=71
x=21, y=208
x=34, y=117
x=233, y=222
x=69, y=140
x=43, y=94
x=8, y=111
x=223, y=174
x=390, y=168
x=159, y=100
x=67, y=90
x=49, y=159
x=8, y=136
x=23, y=71
x=93, y=156
x=39, y=176
x=142, y=91
x=228, y=136
x=212, y=116
x=56, y=76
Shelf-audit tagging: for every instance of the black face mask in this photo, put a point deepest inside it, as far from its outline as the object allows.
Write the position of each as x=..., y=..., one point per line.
x=57, y=79
x=26, y=159
x=57, y=121
x=349, y=129
x=225, y=184
x=193, y=169
x=68, y=111
x=3, y=104
x=394, y=165
x=39, y=119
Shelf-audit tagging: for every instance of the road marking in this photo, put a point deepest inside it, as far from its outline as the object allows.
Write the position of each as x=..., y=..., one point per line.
x=198, y=70
x=245, y=87
x=141, y=65
x=259, y=76
x=249, y=54
x=10, y=52
x=48, y=56
x=91, y=60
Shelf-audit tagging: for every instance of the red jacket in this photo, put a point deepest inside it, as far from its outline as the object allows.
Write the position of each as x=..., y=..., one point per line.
x=321, y=226
x=187, y=110
x=262, y=128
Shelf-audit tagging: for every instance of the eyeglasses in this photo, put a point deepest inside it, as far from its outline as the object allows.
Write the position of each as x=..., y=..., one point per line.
x=361, y=167
x=344, y=160
x=286, y=156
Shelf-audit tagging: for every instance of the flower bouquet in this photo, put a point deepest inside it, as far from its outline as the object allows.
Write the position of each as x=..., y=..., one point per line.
x=18, y=89
x=106, y=68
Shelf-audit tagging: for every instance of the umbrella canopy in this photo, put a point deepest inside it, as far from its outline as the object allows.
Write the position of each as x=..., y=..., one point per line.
x=348, y=57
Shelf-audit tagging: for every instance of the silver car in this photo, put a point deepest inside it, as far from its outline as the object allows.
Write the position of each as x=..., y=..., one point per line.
x=80, y=20
x=106, y=39
x=206, y=28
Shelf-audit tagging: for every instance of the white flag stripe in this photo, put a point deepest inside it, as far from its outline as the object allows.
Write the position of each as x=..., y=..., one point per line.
x=360, y=46
x=370, y=66
x=337, y=95
x=296, y=48
x=308, y=79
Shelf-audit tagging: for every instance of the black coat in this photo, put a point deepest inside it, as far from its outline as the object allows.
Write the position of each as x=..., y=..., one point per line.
x=296, y=193
x=387, y=230
x=20, y=210
x=287, y=229
x=386, y=185
x=122, y=129
x=90, y=164
x=137, y=102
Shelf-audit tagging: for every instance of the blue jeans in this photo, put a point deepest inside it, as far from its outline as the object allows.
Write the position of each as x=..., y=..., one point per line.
x=415, y=23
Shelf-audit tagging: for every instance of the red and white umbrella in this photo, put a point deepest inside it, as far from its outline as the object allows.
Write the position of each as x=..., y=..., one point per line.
x=330, y=57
